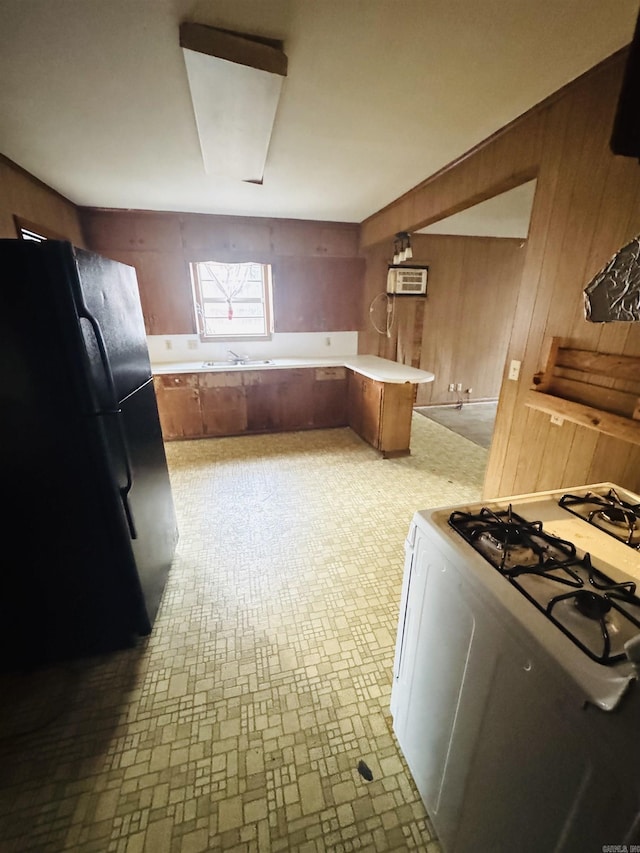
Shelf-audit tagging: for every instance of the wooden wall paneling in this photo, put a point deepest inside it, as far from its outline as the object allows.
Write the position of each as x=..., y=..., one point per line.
x=318, y=294
x=591, y=165
x=339, y=241
x=165, y=293
x=491, y=280
x=157, y=232
x=108, y=231
x=410, y=318
x=369, y=339
x=578, y=463
x=468, y=313
x=611, y=456
x=445, y=257
x=165, y=290
x=566, y=125
x=556, y=458
x=317, y=287
x=292, y=237
x=226, y=238
x=616, y=336
x=612, y=228
x=584, y=200
x=528, y=465
x=130, y=231
x=23, y=195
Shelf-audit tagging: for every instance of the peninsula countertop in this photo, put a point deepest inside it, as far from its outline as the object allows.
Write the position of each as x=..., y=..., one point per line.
x=372, y=366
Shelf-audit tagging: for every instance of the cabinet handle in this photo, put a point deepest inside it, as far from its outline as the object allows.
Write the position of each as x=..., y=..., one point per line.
x=528, y=666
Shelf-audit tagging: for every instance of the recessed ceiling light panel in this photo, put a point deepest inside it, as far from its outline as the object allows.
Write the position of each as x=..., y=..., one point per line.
x=235, y=82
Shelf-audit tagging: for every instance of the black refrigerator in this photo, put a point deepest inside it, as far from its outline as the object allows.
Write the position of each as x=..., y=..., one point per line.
x=89, y=522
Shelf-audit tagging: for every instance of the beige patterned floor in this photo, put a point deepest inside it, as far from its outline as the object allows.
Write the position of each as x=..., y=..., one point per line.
x=239, y=724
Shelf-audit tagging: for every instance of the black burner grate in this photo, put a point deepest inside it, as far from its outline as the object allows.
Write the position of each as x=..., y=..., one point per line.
x=574, y=595
x=608, y=512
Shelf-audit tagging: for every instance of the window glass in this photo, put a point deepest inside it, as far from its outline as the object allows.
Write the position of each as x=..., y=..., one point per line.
x=232, y=300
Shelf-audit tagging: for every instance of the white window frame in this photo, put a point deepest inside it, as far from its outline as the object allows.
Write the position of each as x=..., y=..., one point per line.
x=200, y=301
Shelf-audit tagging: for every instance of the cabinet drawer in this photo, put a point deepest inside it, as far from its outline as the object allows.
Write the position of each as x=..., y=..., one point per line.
x=324, y=374
x=177, y=380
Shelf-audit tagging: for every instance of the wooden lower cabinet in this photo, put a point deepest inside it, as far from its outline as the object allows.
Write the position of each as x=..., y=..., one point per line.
x=178, y=398
x=380, y=412
x=329, y=398
x=279, y=400
x=217, y=403
x=223, y=403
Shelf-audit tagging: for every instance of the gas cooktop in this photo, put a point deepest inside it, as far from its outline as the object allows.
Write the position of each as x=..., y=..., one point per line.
x=599, y=614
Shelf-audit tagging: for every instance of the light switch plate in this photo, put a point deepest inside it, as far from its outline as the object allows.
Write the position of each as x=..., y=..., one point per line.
x=514, y=369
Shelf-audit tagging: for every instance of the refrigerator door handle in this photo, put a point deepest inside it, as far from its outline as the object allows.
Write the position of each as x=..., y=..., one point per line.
x=124, y=490
x=128, y=471
x=83, y=311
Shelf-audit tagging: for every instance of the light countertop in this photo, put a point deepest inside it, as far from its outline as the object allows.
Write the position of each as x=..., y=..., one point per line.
x=379, y=369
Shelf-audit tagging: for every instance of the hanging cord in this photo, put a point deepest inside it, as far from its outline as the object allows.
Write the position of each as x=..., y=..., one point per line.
x=390, y=313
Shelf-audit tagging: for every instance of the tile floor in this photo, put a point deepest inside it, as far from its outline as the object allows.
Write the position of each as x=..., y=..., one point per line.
x=239, y=724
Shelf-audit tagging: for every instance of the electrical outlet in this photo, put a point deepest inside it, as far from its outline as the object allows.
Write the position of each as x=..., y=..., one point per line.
x=459, y=386
x=168, y=344
x=193, y=344
x=514, y=369
x=452, y=386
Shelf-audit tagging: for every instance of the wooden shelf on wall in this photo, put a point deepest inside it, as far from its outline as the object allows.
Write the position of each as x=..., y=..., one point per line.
x=600, y=391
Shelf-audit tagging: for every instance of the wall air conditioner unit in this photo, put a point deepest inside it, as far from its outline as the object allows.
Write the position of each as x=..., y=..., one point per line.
x=407, y=280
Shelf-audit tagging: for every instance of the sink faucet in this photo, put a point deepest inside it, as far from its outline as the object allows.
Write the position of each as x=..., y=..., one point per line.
x=237, y=359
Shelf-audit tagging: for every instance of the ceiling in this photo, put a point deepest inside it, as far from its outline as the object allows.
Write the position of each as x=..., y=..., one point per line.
x=379, y=95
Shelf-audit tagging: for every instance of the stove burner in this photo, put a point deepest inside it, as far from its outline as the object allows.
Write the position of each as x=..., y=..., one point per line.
x=505, y=537
x=616, y=515
x=594, y=611
x=591, y=604
x=609, y=513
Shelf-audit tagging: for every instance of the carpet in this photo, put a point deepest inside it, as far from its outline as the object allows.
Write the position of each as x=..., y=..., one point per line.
x=474, y=421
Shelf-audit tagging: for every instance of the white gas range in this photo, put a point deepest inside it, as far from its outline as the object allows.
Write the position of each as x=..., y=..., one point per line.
x=515, y=695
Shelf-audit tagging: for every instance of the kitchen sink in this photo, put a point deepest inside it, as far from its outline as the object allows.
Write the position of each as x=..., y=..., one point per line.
x=249, y=362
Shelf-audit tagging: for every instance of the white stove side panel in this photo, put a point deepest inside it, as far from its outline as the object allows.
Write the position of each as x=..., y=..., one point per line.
x=497, y=748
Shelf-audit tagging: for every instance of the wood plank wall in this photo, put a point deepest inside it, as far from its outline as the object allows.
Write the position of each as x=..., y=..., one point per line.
x=460, y=331
x=318, y=273
x=586, y=206
x=23, y=195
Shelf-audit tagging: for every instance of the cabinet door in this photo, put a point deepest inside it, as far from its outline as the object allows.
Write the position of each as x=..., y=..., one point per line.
x=329, y=397
x=223, y=403
x=395, y=419
x=371, y=410
x=278, y=400
x=354, y=401
x=178, y=400
x=261, y=390
x=295, y=399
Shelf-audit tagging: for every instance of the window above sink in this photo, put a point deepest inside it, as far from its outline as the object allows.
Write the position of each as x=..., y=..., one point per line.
x=232, y=301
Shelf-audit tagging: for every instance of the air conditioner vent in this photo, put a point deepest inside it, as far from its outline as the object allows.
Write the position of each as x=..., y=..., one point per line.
x=407, y=281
